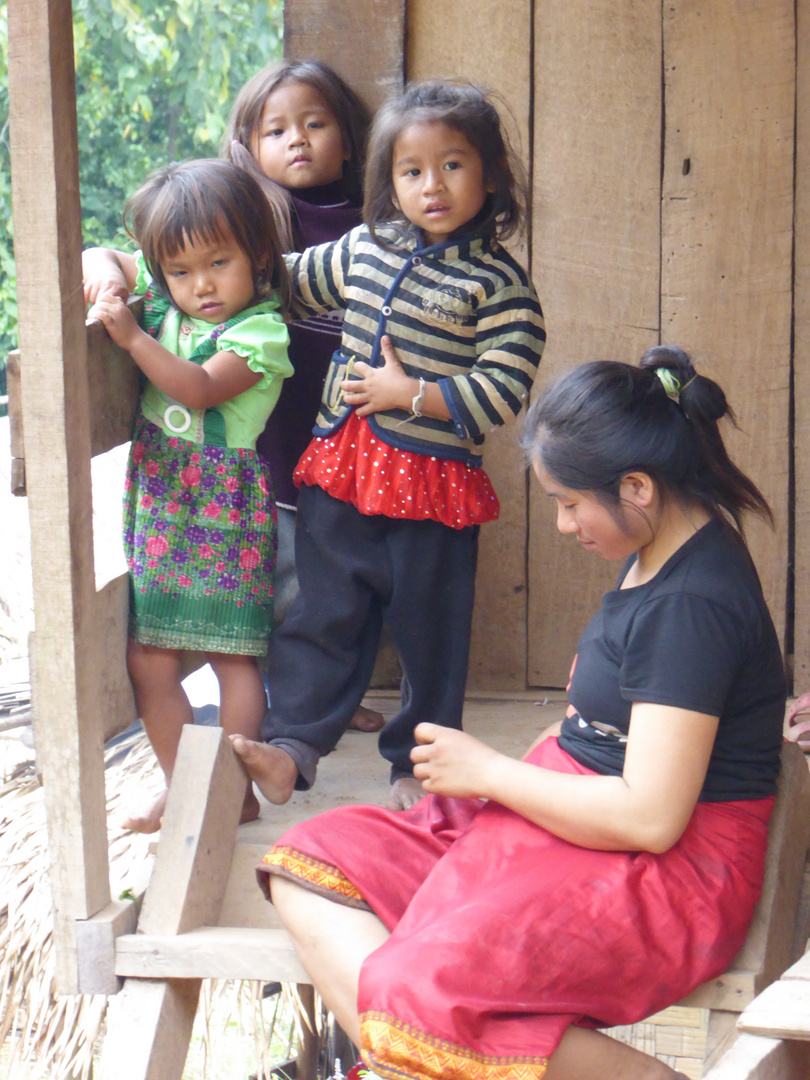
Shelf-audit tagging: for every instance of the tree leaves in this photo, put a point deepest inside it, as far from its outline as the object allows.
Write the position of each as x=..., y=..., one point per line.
x=155, y=80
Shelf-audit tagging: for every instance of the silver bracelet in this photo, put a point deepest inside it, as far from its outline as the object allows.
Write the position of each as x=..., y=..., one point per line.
x=419, y=399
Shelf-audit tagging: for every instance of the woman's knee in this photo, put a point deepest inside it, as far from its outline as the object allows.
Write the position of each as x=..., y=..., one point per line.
x=585, y=1054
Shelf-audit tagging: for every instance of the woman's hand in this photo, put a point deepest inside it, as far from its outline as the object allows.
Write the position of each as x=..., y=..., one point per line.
x=111, y=310
x=450, y=762
x=380, y=389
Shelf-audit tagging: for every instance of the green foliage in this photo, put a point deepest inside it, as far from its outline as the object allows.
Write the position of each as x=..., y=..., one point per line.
x=155, y=80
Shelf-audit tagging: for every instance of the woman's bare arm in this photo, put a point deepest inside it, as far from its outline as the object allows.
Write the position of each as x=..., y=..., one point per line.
x=645, y=809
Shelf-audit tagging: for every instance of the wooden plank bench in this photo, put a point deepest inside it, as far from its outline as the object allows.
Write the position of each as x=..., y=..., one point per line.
x=204, y=916
x=778, y=933
x=774, y=1043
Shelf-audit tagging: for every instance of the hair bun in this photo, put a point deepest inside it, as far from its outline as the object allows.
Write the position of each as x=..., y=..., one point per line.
x=701, y=399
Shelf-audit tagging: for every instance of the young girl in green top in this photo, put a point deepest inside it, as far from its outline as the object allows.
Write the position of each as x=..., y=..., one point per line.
x=199, y=518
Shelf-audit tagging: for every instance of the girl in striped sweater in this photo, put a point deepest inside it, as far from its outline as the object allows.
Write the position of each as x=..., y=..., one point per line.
x=441, y=339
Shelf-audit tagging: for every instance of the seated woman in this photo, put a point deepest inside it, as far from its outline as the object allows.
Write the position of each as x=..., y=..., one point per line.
x=489, y=930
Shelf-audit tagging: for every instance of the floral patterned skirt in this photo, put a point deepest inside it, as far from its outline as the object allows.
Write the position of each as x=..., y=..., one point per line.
x=200, y=541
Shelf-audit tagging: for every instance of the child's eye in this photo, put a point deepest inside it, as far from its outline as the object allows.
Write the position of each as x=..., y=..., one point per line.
x=175, y=273
x=273, y=133
x=219, y=262
x=411, y=172
x=452, y=165
x=316, y=124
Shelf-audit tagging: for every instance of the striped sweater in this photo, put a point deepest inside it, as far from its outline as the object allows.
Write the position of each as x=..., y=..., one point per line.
x=461, y=313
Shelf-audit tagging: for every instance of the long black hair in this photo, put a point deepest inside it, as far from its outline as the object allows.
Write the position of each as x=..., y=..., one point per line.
x=606, y=419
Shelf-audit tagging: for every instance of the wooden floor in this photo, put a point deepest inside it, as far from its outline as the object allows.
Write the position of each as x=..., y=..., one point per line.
x=356, y=773
x=242, y=938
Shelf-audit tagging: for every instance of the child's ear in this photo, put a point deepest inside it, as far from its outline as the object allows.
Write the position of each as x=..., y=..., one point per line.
x=491, y=184
x=264, y=273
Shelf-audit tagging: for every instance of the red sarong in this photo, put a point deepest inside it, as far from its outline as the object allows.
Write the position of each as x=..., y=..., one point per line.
x=502, y=934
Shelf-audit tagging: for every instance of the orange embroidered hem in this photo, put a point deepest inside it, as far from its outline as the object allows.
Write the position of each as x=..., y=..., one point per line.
x=396, y=1050
x=312, y=873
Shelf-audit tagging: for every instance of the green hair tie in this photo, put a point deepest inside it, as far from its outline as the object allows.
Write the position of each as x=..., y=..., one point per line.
x=671, y=386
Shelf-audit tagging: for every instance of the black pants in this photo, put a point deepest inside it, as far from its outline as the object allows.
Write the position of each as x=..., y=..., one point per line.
x=354, y=572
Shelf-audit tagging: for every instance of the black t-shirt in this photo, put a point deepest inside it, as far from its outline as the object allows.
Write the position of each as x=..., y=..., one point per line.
x=698, y=636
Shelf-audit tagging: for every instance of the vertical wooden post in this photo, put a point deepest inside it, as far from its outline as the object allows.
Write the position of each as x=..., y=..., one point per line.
x=801, y=356
x=596, y=254
x=363, y=40
x=496, y=55
x=727, y=232
x=47, y=225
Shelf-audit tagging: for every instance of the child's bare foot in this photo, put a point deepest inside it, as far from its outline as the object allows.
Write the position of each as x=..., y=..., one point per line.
x=404, y=793
x=150, y=818
x=270, y=768
x=367, y=720
x=250, y=807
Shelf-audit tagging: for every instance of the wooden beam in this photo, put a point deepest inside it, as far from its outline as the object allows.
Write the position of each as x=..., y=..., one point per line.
x=149, y=1032
x=770, y=945
x=596, y=254
x=753, y=1058
x=363, y=40
x=198, y=835
x=801, y=356
x=47, y=241
x=95, y=939
x=111, y=615
x=781, y=1011
x=727, y=232
x=212, y=952
x=15, y=418
x=496, y=55
x=114, y=387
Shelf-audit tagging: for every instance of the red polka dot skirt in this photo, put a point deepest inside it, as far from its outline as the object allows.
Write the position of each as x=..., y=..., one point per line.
x=356, y=466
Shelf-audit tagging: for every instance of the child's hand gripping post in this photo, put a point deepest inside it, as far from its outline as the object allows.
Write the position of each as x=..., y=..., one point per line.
x=113, y=312
x=106, y=271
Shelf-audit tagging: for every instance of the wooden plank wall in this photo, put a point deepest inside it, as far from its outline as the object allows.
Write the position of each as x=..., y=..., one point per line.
x=363, y=40
x=663, y=200
x=495, y=54
x=661, y=154
x=801, y=347
x=722, y=238
x=596, y=254
x=727, y=231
